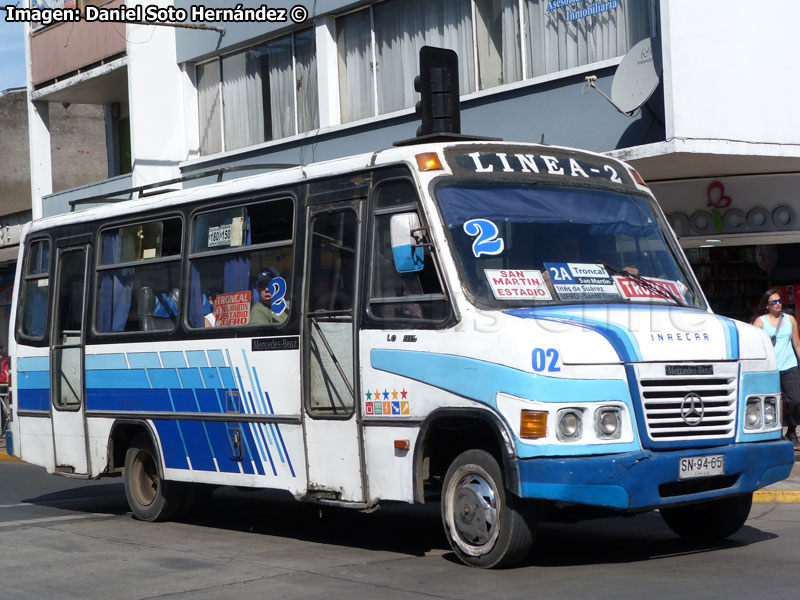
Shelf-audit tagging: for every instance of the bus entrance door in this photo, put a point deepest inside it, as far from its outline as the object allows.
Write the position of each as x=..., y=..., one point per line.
x=66, y=357
x=332, y=434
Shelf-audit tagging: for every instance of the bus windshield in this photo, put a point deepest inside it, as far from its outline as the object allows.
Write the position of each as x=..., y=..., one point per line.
x=529, y=244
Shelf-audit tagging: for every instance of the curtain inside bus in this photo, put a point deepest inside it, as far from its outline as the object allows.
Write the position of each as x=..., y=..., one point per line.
x=115, y=288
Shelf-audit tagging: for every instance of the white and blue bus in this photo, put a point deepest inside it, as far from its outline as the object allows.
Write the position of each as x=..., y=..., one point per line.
x=509, y=329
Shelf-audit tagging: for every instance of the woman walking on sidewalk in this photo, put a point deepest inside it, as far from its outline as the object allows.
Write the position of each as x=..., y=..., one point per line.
x=782, y=330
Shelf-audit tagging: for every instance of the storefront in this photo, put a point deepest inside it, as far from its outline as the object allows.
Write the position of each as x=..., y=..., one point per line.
x=741, y=234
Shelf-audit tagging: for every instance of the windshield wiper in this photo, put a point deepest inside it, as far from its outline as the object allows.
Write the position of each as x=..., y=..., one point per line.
x=659, y=291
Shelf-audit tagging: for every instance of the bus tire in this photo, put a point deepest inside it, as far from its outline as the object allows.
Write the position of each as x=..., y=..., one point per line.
x=149, y=496
x=711, y=520
x=483, y=525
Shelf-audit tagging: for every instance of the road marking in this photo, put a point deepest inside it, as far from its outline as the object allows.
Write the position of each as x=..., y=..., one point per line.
x=15, y=505
x=51, y=519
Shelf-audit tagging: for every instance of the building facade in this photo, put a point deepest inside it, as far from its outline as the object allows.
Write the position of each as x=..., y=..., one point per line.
x=332, y=78
x=78, y=155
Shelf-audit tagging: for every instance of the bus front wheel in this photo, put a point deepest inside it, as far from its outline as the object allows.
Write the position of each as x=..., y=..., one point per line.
x=482, y=524
x=149, y=496
x=711, y=520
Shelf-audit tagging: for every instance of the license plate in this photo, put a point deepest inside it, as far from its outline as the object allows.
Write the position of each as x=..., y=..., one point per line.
x=702, y=466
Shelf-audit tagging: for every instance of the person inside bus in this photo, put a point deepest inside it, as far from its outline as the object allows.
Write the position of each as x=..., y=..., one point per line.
x=782, y=329
x=210, y=318
x=261, y=312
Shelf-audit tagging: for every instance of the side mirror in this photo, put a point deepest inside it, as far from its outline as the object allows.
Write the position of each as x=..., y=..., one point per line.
x=409, y=255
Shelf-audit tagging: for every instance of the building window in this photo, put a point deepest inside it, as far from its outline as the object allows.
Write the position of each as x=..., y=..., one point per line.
x=563, y=38
x=497, y=41
x=261, y=93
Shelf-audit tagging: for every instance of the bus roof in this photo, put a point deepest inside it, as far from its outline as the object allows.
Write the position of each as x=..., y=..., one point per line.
x=394, y=155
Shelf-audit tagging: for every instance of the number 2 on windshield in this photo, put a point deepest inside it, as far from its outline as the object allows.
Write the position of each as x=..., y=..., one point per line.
x=487, y=241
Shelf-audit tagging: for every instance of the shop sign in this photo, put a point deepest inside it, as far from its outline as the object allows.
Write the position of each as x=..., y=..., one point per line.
x=720, y=218
x=594, y=8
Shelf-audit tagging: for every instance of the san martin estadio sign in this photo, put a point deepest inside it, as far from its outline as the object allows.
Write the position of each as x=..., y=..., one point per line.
x=522, y=161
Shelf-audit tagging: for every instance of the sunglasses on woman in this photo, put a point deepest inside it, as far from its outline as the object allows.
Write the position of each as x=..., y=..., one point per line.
x=774, y=302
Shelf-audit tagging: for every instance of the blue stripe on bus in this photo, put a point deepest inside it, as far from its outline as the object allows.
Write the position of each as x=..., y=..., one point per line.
x=482, y=380
x=620, y=338
x=248, y=432
x=196, y=358
x=38, y=399
x=198, y=445
x=731, y=337
x=33, y=380
x=171, y=446
x=247, y=444
x=211, y=378
x=173, y=359
x=118, y=379
x=184, y=400
x=33, y=363
x=227, y=378
x=164, y=378
x=216, y=358
x=191, y=378
x=220, y=442
x=106, y=361
x=280, y=437
x=128, y=399
x=144, y=360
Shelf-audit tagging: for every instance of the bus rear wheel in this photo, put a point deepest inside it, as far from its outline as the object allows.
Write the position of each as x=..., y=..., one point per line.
x=149, y=496
x=482, y=525
x=711, y=520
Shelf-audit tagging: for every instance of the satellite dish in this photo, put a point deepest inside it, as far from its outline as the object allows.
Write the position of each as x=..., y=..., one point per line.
x=636, y=78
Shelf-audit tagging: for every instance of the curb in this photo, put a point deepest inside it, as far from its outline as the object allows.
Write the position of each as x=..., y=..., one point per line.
x=6, y=458
x=779, y=496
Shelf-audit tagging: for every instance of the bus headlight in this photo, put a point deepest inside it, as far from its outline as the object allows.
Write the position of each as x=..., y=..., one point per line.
x=569, y=425
x=752, y=414
x=608, y=423
x=770, y=411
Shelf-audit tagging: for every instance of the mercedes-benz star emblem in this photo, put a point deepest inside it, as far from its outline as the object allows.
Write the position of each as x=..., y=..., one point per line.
x=692, y=409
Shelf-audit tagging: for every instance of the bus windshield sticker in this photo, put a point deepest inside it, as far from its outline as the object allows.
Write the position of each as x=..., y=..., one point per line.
x=509, y=284
x=149, y=253
x=633, y=290
x=232, y=309
x=486, y=237
x=581, y=281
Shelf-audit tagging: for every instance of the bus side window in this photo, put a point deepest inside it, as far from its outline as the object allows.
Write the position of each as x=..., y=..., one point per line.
x=138, y=277
x=241, y=265
x=412, y=299
x=33, y=317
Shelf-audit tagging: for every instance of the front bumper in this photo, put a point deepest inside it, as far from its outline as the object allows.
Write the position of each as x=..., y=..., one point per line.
x=641, y=480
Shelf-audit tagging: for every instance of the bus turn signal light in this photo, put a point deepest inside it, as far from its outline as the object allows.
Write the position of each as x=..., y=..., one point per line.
x=533, y=424
x=429, y=161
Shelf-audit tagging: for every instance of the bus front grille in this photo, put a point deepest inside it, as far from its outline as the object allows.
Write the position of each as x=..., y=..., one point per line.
x=689, y=407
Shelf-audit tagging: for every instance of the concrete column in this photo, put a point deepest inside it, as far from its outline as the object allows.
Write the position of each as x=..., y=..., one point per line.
x=38, y=138
x=327, y=72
